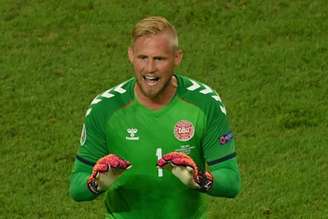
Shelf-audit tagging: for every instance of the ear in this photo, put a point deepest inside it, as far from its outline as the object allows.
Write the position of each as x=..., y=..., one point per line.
x=178, y=57
x=130, y=54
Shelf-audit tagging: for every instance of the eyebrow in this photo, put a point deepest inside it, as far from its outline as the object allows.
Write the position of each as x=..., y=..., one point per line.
x=154, y=57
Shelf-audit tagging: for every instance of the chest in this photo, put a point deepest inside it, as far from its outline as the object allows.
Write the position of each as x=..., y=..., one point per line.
x=142, y=136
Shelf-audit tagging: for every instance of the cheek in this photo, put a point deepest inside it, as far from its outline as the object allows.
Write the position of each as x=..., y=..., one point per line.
x=137, y=67
x=167, y=68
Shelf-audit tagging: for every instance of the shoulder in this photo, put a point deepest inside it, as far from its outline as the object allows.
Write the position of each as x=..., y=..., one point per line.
x=112, y=99
x=199, y=94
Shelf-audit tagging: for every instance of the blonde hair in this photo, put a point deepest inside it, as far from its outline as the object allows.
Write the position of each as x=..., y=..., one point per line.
x=152, y=26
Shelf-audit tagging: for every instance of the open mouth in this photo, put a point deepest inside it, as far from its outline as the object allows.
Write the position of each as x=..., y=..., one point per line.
x=150, y=80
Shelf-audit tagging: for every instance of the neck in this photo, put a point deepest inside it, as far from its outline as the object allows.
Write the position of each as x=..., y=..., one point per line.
x=160, y=100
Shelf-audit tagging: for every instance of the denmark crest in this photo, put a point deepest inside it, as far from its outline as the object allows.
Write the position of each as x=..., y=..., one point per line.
x=184, y=130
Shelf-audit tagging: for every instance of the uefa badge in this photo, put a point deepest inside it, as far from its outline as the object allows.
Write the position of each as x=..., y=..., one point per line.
x=224, y=139
x=184, y=130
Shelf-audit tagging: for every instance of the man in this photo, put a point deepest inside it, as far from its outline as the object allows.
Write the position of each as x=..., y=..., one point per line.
x=157, y=143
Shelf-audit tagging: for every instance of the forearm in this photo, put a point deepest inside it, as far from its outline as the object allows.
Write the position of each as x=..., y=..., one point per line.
x=226, y=182
x=79, y=190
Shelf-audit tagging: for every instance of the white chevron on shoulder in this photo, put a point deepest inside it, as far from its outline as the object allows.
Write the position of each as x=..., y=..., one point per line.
x=88, y=112
x=194, y=85
x=206, y=90
x=107, y=93
x=95, y=101
x=217, y=98
x=223, y=109
x=119, y=88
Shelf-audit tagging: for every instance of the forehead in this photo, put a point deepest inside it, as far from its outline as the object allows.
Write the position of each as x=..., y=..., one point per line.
x=155, y=43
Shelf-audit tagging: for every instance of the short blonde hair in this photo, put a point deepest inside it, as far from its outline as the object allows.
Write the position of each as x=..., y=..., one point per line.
x=152, y=26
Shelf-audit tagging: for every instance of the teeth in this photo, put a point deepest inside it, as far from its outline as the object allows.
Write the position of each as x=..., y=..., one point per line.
x=150, y=77
x=151, y=80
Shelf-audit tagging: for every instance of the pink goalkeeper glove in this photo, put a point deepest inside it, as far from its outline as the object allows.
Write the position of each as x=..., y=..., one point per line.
x=105, y=172
x=186, y=170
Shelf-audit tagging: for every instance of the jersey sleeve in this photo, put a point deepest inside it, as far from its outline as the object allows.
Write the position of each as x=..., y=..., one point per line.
x=219, y=151
x=92, y=148
x=93, y=137
x=218, y=140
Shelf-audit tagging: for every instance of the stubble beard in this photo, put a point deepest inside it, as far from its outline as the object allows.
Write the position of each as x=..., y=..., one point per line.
x=154, y=93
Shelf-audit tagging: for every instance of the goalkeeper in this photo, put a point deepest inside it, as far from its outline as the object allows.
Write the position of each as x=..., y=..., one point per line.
x=158, y=144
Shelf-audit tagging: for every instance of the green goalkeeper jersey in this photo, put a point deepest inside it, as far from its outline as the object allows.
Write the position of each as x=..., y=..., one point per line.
x=194, y=122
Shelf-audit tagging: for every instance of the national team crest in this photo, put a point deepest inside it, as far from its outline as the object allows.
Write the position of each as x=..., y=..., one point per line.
x=184, y=130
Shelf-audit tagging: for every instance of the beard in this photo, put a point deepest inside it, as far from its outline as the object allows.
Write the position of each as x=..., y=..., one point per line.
x=154, y=92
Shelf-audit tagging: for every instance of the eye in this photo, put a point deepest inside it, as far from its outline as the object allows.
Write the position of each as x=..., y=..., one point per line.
x=142, y=57
x=159, y=58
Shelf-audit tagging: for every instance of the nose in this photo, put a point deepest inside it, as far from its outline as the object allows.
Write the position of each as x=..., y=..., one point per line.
x=151, y=66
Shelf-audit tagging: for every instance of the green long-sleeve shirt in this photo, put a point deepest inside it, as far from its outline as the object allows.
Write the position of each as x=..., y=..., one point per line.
x=194, y=122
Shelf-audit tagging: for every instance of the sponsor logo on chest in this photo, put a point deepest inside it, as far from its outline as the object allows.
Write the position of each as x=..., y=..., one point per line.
x=132, y=134
x=184, y=130
x=185, y=149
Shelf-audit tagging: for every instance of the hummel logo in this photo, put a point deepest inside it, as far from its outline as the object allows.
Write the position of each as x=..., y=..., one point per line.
x=132, y=134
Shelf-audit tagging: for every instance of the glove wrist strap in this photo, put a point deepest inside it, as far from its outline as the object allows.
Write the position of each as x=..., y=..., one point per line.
x=205, y=182
x=93, y=186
